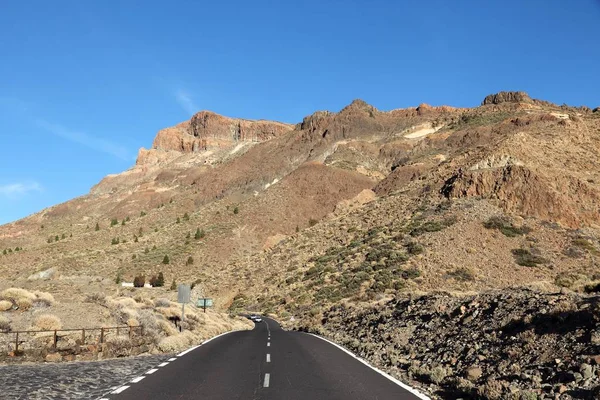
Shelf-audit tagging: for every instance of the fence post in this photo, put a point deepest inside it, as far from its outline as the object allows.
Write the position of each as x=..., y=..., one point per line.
x=130, y=331
x=17, y=343
x=141, y=330
x=117, y=331
x=55, y=340
x=82, y=337
x=101, y=335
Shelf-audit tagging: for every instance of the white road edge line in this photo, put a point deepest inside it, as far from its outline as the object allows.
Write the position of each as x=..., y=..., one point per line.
x=391, y=378
x=268, y=358
x=163, y=364
x=120, y=390
x=136, y=380
x=172, y=359
x=203, y=343
x=153, y=370
x=267, y=379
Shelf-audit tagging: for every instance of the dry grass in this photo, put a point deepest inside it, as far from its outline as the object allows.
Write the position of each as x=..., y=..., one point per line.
x=177, y=342
x=47, y=322
x=5, y=305
x=43, y=298
x=24, y=303
x=16, y=294
x=4, y=324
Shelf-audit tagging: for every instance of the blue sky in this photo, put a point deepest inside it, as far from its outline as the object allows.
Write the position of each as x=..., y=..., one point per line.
x=85, y=84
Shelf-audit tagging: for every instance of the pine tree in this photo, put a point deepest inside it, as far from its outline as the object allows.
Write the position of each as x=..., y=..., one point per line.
x=146, y=250
x=186, y=217
x=189, y=261
x=135, y=238
x=178, y=220
x=97, y=227
x=166, y=259
x=160, y=281
x=173, y=285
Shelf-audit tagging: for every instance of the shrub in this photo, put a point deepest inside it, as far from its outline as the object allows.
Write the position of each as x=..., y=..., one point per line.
x=411, y=273
x=47, y=322
x=16, y=294
x=592, y=287
x=236, y=210
x=114, y=241
x=160, y=281
x=525, y=258
x=153, y=280
x=312, y=222
x=186, y=217
x=162, y=303
x=5, y=305
x=189, y=261
x=146, y=250
x=24, y=303
x=462, y=274
x=96, y=298
x=43, y=298
x=4, y=324
x=142, y=213
x=118, y=279
x=505, y=226
x=178, y=220
x=97, y=228
x=199, y=234
x=166, y=259
x=113, y=222
x=173, y=285
x=414, y=248
x=139, y=281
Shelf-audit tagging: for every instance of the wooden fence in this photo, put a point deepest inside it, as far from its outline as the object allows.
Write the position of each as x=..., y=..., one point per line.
x=88, y=335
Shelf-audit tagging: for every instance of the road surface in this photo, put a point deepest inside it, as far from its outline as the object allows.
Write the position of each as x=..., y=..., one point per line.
x=266, y=363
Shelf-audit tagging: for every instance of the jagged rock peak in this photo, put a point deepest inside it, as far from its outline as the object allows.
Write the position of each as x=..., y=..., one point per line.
x=507, y=97
x=358, y=104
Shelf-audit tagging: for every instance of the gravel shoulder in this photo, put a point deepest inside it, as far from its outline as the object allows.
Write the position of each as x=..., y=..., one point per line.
x=76, y=380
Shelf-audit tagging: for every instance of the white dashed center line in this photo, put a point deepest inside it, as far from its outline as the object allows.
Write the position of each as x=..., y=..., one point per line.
x=151, y=371
x=123, y=388
x=136, y=380
x=268, y=344
x=172, y=359
x=267, y=379
x=163, y=364
x=268, y=358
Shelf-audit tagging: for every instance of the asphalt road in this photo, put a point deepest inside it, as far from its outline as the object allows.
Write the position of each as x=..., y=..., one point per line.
x=266, y=363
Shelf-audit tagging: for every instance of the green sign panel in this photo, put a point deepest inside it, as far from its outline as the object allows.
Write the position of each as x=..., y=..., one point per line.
x=204, y=303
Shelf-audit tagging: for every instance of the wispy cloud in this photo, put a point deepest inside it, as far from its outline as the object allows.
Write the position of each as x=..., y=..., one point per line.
x=14, y=190
x=84, y=139
x=186, y=101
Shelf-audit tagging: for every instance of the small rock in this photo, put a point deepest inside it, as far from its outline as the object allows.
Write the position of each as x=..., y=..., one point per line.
x=54, y=357
x=586, y=370
x=474, y=373
x=561, y=389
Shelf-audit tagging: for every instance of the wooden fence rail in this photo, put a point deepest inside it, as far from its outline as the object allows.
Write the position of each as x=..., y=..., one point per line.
x=56, y=334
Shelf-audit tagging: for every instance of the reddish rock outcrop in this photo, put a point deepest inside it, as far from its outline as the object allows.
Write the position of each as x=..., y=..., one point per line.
x=207, y=129
x=507, y=97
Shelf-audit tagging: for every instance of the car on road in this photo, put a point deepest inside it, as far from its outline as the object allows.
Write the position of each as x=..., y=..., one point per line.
x=258, y=319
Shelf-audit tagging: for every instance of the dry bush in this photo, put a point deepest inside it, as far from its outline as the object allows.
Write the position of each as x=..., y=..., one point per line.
x=119, y=342
x=4, y=324
x=177, y=342
x=167, y=328
x=47, y=322
x=147, y=319
x=24, y=303
x=133, y=322
x=127, y=302
x=24, y=299
x=96, y=298
x=43, y=298
x=5, y=305
x=162, y=303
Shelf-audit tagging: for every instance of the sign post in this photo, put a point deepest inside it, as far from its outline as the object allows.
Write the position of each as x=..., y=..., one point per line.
x=183, y=296
x=204, y=302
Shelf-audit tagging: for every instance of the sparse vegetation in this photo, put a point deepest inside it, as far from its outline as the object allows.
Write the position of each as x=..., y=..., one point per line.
x=47, y=322
x=505, y=226
x=462, y=274
x=97, y=228
x=114, y=222
x=525, y=258
x=312, y=222
x=189, y=261
x=199, y=234
x=139, y=281
x=4, y=324
x=166, y=259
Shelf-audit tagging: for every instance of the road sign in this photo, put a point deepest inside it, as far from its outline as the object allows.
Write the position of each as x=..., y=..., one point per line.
x=204, y=302
x=183, y=293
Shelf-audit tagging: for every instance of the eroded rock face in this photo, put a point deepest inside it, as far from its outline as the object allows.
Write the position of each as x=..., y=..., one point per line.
x=507, y=97
x=521, y=190
x=207, y=129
